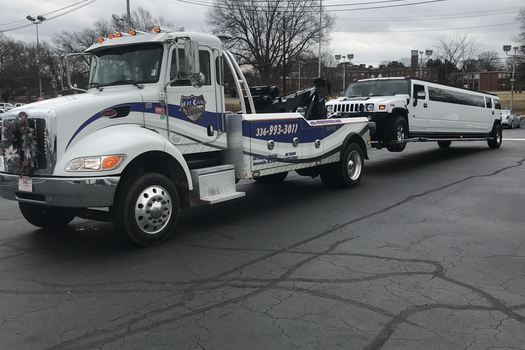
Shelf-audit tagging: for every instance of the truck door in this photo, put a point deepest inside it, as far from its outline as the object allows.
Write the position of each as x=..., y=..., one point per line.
x=418, y=110
x=194, y=119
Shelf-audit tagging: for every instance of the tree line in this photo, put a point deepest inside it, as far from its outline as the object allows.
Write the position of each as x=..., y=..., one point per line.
x=268, y=38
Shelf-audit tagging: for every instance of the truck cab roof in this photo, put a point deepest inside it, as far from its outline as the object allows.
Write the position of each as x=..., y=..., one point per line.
x=126, y=39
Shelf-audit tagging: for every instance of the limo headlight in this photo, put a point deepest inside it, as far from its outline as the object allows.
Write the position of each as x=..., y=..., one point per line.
x=329, y=108
x=369, y=107
x=102, y=163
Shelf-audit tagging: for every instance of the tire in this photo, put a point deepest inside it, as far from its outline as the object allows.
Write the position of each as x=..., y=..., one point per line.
x=444, y=144
x=147, y=208
x=398, y=131
x=348, y=171
x=272, y=179
x=497, y=138
x=46, y=217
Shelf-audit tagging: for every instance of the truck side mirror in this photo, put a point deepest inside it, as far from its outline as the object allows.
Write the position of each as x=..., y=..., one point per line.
x=421, y=95
x=192, y=63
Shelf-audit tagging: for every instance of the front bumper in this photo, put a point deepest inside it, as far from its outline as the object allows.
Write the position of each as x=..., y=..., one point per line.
x=62, y=192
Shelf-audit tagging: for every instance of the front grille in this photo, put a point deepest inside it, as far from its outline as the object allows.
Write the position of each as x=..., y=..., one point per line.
x=41, y=141
x=349, y=107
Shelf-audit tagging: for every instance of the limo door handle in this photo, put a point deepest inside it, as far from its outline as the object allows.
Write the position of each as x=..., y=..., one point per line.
x=425, y=105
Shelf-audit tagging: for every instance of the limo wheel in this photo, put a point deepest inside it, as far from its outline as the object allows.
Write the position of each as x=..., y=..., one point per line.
x=348, y=171
x=147, y=208
x=497, y=139
x=398, y=132
x=46, y=217
x=444, y=144
x=271, y=179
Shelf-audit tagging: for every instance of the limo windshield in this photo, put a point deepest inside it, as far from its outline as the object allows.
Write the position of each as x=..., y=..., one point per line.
x=378, y=88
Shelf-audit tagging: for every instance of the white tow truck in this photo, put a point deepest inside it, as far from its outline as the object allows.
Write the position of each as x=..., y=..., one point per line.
x=151, y=136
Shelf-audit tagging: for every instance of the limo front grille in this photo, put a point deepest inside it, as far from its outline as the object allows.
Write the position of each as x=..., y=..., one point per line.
x=349, y=107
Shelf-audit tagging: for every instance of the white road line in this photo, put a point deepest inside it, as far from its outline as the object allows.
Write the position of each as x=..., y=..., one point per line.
x=513, y=139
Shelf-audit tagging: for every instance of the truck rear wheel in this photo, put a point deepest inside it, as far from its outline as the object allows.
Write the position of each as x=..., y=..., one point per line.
x=46, y=217
x=147, y=208
x=497, y=138
x=348, y=171
x=444, y=144
x=272, y=179
x=398, y=132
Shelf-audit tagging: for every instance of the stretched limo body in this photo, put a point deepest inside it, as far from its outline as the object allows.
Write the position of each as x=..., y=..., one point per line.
x=405, y=108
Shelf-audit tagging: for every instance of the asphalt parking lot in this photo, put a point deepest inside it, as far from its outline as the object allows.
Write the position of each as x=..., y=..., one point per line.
x=428, y=253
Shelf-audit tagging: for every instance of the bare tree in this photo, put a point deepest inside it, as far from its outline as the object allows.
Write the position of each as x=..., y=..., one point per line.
x=262, y=31
x=456, y=53
x=489, y=61
x=456, y=49
x=521, y=19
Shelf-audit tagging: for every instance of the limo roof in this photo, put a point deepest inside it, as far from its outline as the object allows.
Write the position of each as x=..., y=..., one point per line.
x=427, y=81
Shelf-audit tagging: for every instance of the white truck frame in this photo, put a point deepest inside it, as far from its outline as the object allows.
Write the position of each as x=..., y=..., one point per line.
x=413, y=110
x=151, y=136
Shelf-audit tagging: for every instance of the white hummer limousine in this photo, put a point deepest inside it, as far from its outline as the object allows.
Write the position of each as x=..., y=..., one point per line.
x=407, y=110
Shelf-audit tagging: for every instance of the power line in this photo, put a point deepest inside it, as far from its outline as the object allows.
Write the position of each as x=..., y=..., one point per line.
x=403, y=19
x=82, y=4
x=45, y=14
x=314, y=8
x=430, y=30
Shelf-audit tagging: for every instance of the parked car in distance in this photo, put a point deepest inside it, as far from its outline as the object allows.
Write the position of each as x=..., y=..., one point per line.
x=3, y=110
x=6, y=105
x=509, y=119
x=19, y=104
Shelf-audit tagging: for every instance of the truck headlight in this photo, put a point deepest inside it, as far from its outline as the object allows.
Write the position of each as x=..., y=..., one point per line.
x=329, y=108
x=102, y=163
x=369, y=107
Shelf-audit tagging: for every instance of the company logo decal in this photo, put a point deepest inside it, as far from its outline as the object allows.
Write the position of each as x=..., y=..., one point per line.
x=193, y=106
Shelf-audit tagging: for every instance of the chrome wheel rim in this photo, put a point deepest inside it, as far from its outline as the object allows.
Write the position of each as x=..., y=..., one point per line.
x=355, y=165
x=400, y=132
x=153, y=209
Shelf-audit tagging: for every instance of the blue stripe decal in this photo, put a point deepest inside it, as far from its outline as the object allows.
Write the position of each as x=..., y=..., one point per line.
x=282, y=130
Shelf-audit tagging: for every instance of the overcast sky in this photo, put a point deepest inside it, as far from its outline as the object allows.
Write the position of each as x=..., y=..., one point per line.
x=373, y=35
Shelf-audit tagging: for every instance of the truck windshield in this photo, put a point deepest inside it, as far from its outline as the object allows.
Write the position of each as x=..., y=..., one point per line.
x=378, y=88
x=132, y=64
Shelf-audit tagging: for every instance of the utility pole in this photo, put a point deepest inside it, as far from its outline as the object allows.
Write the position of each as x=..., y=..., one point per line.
x=299, y=68
x=36, y=21
x=284, y=54
x=507, y=49
x=128, y=14
x=320, y=34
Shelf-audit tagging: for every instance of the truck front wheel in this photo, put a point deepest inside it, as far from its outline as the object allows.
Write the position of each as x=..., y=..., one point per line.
x=46, y=217
x=147, y=208
x=398, y=132
x=348, y=171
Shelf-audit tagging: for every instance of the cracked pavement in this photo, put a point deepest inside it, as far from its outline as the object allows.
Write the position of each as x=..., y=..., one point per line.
x=427, y=253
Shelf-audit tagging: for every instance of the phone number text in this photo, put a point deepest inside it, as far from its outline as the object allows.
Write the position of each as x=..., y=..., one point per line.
x=279, y=129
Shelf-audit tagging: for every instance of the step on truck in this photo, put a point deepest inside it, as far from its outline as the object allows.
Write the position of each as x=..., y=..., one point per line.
x=154, y=134
x=413, y=110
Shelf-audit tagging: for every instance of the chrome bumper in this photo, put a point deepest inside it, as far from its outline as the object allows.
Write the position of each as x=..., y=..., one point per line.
x=62, y=192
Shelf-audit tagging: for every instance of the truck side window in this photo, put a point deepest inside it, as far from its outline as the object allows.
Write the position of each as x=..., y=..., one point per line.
x=418, y=88
x=489, y=102
x=497, y=104
x=205, y=63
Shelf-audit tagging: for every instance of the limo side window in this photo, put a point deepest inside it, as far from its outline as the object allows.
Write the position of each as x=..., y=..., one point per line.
x=488, y=101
